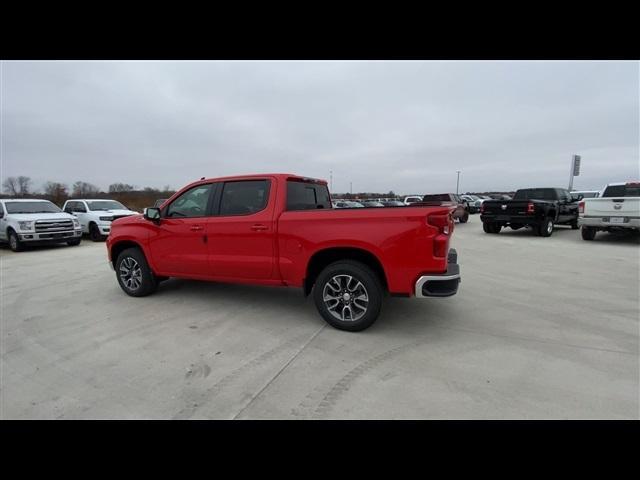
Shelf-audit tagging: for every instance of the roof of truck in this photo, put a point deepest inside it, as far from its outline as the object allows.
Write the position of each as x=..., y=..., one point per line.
x=24, y=200
x=283, y=176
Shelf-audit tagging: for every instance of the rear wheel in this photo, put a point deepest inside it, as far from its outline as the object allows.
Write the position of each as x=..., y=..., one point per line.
x=348, y=295
x=588, y=233
x=546, y=228
x=133, y=273
x=464, y=218
x=574, y=225
x=14, y=242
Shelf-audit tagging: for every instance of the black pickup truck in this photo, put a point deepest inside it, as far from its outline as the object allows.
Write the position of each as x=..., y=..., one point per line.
x=537, y=208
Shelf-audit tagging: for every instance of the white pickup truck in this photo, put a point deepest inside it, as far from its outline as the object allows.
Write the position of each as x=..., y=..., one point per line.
x=95, y=215
x=617, y=208
x=33, y=221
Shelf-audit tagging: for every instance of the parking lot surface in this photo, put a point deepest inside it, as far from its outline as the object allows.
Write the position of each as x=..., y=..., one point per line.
x=540, y=328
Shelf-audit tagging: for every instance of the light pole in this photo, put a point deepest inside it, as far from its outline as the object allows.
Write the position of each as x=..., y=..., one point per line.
x=458, y=182
x=331, y=180
x=351, y=188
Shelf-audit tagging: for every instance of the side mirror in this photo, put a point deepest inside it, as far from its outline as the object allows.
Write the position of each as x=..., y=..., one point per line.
x=152, y=214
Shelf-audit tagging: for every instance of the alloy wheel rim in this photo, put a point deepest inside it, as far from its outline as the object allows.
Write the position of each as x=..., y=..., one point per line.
x=130, y=273
x=346, y=298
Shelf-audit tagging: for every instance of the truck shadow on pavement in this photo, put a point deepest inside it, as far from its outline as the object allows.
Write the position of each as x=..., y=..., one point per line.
x=407, y=315
x=562, y=231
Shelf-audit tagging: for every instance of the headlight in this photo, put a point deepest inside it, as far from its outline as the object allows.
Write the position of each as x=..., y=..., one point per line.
x=76, y=223
x=26, y=225
x=106, y=219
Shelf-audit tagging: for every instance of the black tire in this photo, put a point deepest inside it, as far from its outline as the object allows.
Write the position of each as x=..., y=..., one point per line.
x=94, y=233
x=336, y=275
x=74, y=243
x=487, y=227
x=14, y=242
x=464, y=218
x=129, y=263
x=574, y=225
x=588, y=233
x=545, y=229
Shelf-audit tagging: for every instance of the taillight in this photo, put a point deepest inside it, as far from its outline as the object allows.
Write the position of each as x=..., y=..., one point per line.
x=581, y=207
x=530, y=208
x=482, y=207
x=443, y=222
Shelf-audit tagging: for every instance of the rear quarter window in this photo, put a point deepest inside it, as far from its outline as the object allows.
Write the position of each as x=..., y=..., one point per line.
x=307, y=196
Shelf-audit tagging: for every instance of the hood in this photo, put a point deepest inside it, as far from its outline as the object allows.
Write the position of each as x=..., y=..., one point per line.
x=25, y=217
x=131, y=219
x=114, y=212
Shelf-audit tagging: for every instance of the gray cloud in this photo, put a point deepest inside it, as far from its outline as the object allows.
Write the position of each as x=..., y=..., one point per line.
x=402, y=126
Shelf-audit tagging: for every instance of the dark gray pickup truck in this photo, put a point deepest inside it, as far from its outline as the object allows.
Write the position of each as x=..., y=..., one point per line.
x=537, y=208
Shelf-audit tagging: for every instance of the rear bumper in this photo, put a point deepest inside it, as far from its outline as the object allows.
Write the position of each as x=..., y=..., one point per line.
x=605, y=222
x=512, y=219
x=440, y=285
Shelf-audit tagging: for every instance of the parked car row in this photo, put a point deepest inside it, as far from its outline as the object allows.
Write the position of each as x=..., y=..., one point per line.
x=617, y=207
x=37, y=222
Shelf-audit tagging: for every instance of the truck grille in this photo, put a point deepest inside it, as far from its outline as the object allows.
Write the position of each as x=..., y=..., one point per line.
x=43, y=226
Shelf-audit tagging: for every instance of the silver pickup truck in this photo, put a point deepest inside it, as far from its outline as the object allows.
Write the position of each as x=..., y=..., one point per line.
x=617, y=208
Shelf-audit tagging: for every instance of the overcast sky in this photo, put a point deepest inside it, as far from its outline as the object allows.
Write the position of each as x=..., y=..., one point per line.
x=401, y=126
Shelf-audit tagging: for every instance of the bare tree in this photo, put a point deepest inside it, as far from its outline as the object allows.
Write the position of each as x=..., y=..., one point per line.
x=84, y=189
x=56, y=192
x=24, y=184
x=11, y=186
x=120, y=187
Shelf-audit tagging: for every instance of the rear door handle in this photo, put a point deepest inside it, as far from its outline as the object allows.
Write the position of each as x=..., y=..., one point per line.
x=258, y=227
x=196, y=228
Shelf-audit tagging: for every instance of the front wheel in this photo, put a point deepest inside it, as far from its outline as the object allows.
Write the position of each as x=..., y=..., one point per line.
x=588, y=233
x=133, y=273
x=94, y=233
x=348, y=295
x=14, y=242
x=464, y=218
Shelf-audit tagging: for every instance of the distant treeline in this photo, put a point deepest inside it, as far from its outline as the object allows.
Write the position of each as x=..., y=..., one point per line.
x=58, y=193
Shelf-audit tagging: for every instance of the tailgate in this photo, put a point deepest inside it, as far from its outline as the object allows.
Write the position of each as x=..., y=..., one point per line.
x=612, y=207
x=506, y=208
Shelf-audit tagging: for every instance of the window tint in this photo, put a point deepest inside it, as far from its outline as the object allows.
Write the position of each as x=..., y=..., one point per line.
x=442, y=197
x=192, y=203
x=307, y=196
x=244, y=198
x=536, y=194
x=628, y=190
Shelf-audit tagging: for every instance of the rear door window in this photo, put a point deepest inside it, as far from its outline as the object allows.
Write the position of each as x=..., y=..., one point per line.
x=307, y=196
x=244, y=197
x=442, y=197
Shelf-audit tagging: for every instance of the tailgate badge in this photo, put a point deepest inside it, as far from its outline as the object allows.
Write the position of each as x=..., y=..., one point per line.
x=504, y=207
x=617, y=206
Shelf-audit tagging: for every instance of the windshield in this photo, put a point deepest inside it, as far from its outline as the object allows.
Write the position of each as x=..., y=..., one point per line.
x=536, y=194
x=106, y=205
x=31, y=207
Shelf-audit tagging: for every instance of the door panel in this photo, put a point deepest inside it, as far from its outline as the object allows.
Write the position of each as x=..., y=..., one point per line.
x=241, y=244
x=178, y=243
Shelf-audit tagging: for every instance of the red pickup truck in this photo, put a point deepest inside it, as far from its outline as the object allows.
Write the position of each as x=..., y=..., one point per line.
x=281, y=230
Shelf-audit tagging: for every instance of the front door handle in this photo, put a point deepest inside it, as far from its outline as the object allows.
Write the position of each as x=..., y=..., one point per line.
x=196, y=228
x=258, y=227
